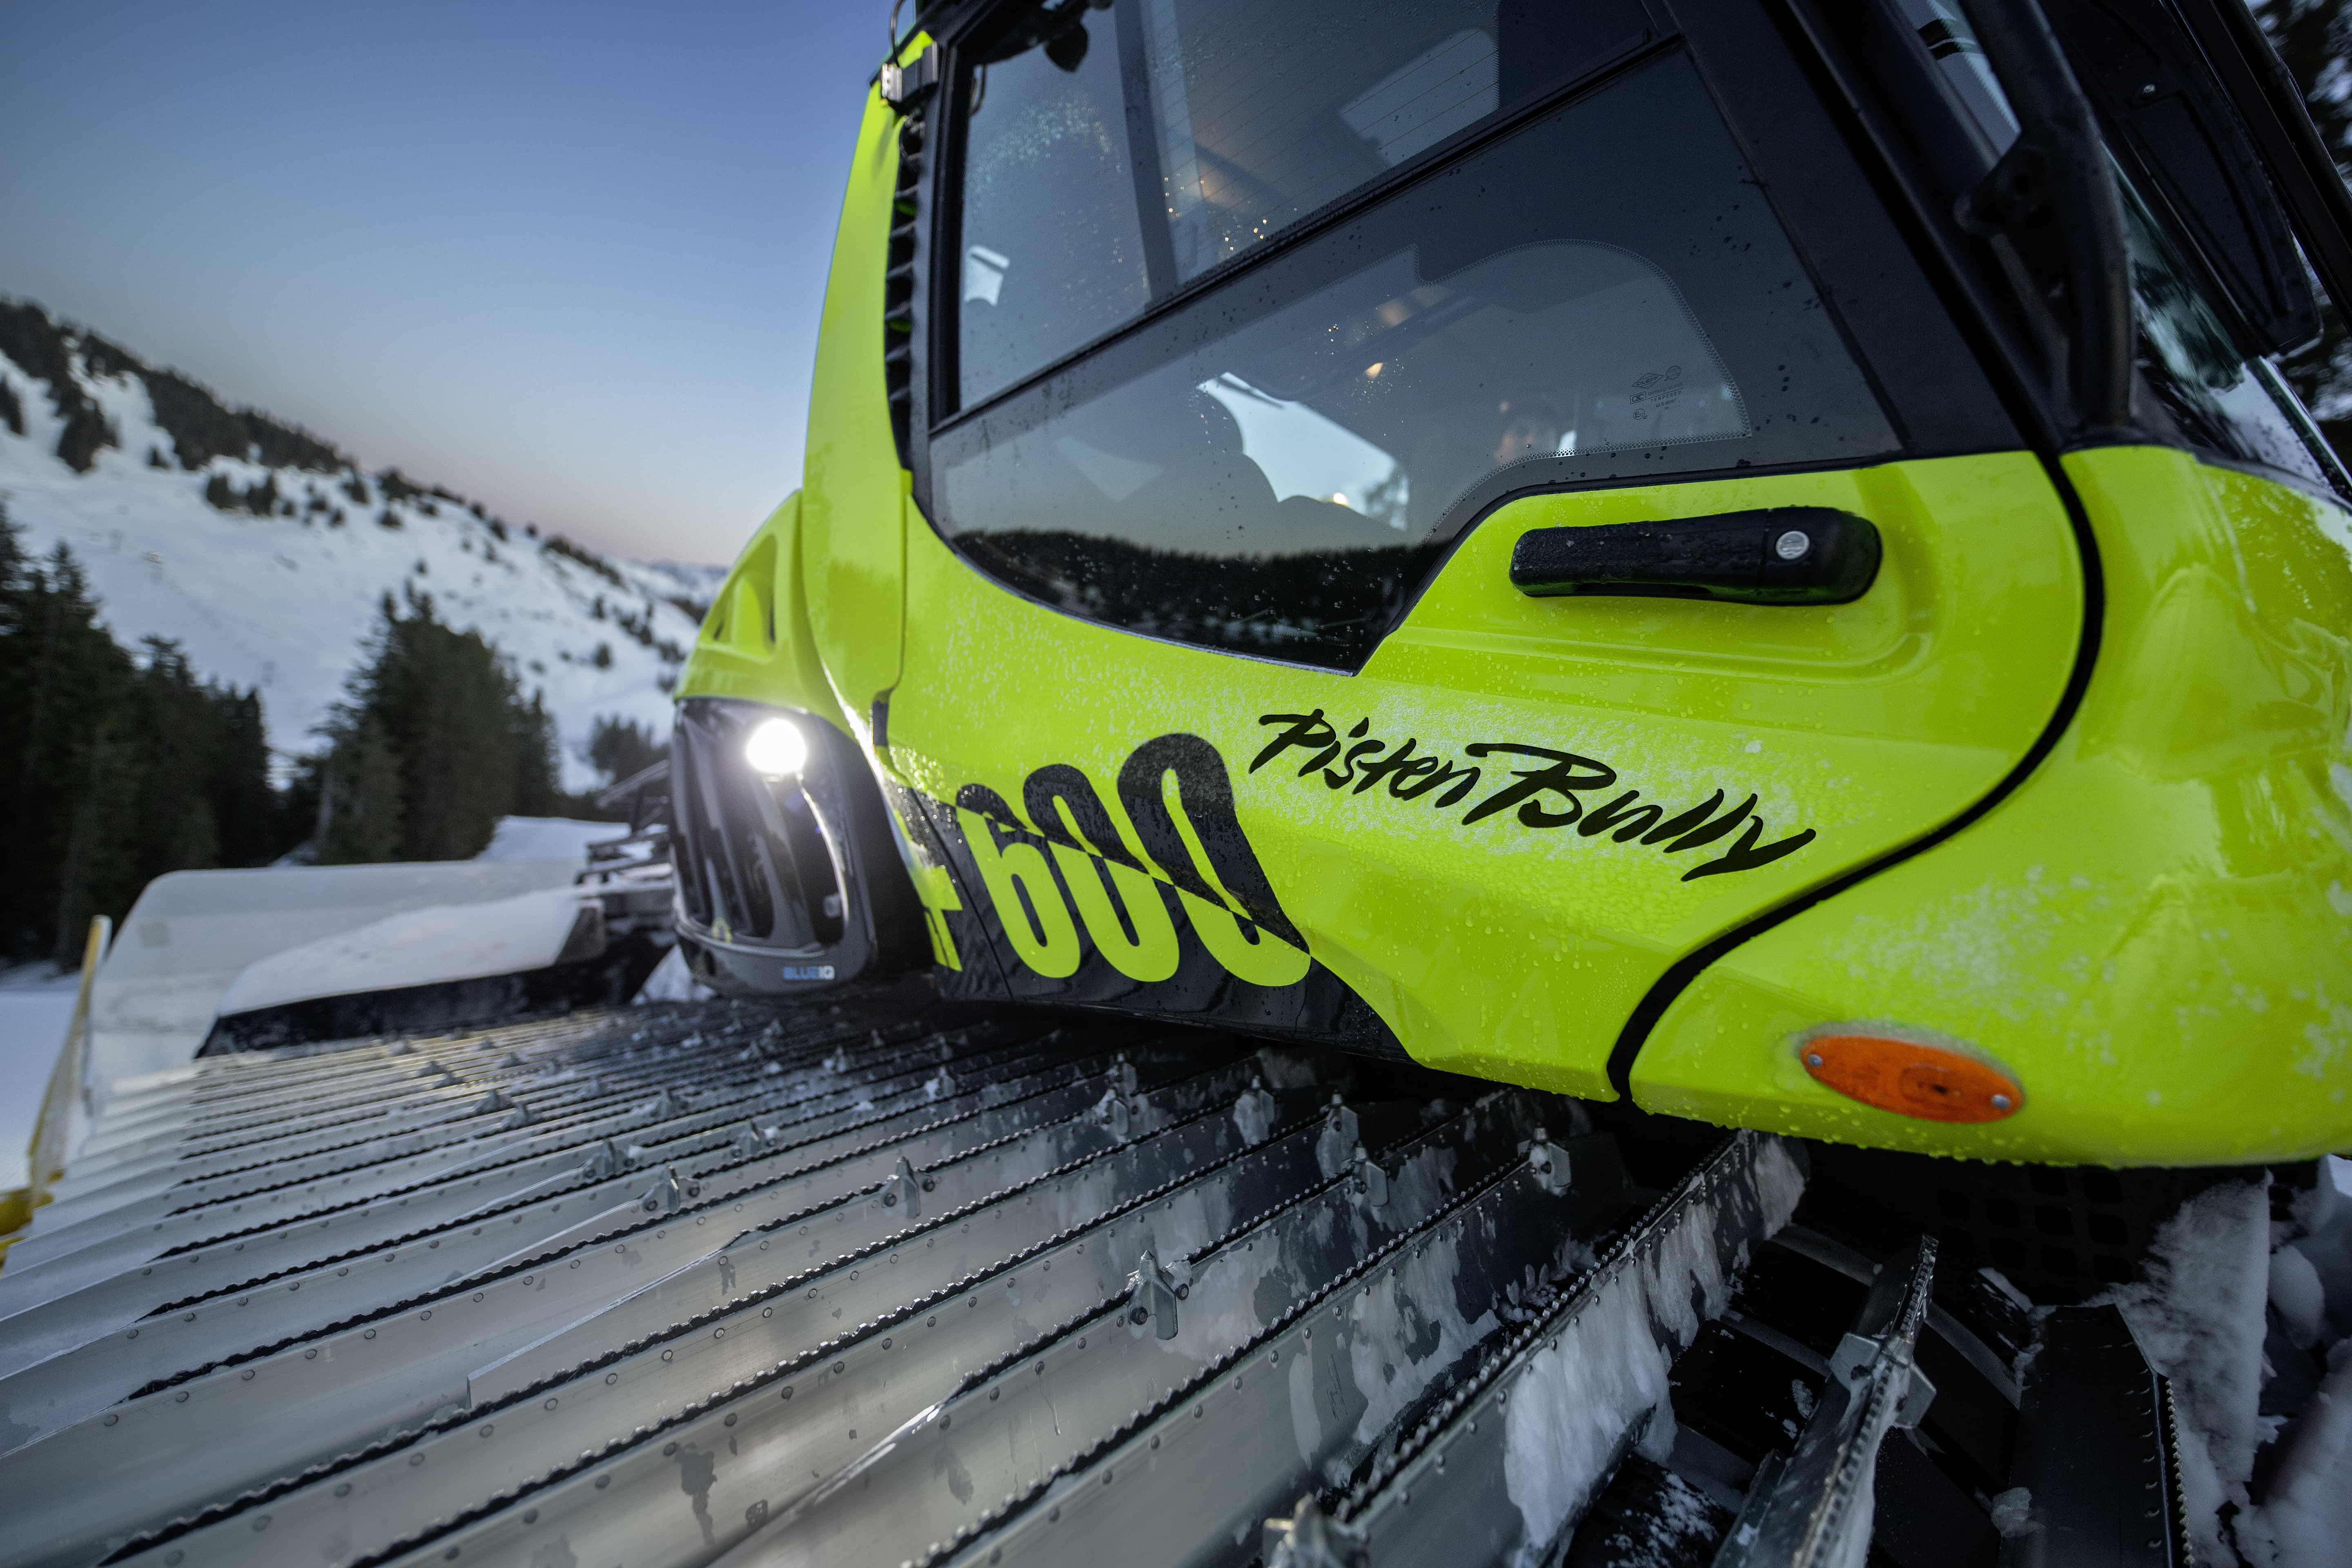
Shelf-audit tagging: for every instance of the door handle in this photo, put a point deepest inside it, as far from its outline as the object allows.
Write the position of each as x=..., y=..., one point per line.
x=1774, y=555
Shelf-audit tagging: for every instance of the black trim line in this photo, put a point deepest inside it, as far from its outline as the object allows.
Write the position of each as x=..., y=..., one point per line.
x=1687, y=968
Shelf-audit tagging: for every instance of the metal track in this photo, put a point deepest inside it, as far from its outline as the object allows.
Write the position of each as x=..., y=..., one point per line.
x=1815, y=1512
x=876, y=1281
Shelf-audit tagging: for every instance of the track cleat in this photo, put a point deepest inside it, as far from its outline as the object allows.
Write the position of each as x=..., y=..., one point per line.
x=1152, y=1295
x=901, y=1191
x=1549, y=1163
x=665, y=1196
x=1814, y=1510
x=604, y=1161
x=1114, y=1110
x=1255, y=1112
x=1310, y=1538
x=1336, y=1147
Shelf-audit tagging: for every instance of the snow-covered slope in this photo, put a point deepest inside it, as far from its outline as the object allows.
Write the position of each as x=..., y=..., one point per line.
x=282, y=602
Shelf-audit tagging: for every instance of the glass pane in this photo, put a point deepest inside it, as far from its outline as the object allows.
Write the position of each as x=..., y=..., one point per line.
x=2219, y=398
x=1126, y=155
x=1053, y=253
x=1273, y=468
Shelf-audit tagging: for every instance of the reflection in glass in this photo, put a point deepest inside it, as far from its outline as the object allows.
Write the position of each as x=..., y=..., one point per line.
x=1273, y=467
x=1357, y=416
x=1053, y=252
x=1138, y=148
x=2214, y=393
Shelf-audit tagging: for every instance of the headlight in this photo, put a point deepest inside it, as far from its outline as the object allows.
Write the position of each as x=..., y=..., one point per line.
x=776, y=748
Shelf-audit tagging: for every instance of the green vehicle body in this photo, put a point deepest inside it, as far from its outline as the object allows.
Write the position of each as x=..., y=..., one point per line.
x=2067, y=790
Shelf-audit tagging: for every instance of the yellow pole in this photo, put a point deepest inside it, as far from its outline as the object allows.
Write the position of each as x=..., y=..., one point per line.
x=68, y=1081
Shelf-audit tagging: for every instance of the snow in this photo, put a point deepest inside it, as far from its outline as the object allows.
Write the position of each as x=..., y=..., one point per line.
x=37, y=1003
x=282, y=603
x=2307, y=1520
x=2305, y=1516
x=671, y=981
x=414, y=947
x=1589, y=1387
x=2197, y=1314
x=548, y=838
x=2296, y=1296
x=1682, y=1527
x=1390, y=1350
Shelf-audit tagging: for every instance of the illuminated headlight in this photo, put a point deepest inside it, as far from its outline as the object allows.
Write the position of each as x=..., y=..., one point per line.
x=776, y=748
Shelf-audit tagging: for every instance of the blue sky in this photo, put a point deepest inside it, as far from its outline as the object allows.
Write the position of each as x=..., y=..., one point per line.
x=563, y=257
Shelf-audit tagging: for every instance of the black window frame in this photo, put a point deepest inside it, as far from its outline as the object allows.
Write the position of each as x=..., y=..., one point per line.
x=1872, y=66
x=1819, y=176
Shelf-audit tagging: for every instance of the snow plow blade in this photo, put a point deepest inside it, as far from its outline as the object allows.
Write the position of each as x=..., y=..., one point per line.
x=221, y=960
x=886, y=1279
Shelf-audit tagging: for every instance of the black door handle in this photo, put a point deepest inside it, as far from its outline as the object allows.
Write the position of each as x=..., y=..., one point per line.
x=1776, y=555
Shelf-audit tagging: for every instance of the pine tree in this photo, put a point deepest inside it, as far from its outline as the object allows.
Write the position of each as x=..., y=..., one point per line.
x=97, y=869
x=115, y=771
x=171, y=751
x=62, y=680
x=359, y=809
x=621, y=747
x=247, y=809
x=539, y=792
x=441, y=711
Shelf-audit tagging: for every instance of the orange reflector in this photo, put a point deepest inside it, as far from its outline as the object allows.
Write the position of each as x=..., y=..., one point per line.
x=1934, y=1083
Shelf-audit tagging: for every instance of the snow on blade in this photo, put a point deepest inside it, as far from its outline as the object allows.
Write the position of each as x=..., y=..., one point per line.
x=548, y=838
x=414, y=947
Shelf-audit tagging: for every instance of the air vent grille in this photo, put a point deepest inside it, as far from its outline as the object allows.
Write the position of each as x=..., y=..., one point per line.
x=898, y=284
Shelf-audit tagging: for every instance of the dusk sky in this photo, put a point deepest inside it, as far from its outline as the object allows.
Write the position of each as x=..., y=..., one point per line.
x=566, y=258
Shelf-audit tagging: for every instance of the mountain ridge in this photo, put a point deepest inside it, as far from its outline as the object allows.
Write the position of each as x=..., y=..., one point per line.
x=264, y=550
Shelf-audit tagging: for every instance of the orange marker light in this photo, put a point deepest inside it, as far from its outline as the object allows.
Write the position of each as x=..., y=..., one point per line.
x=1911, y=1078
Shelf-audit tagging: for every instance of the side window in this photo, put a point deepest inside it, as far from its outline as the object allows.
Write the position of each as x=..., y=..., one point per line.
x=2220, y=398
x=1112, y=159
x=1273, y=467
x=1053, y=251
